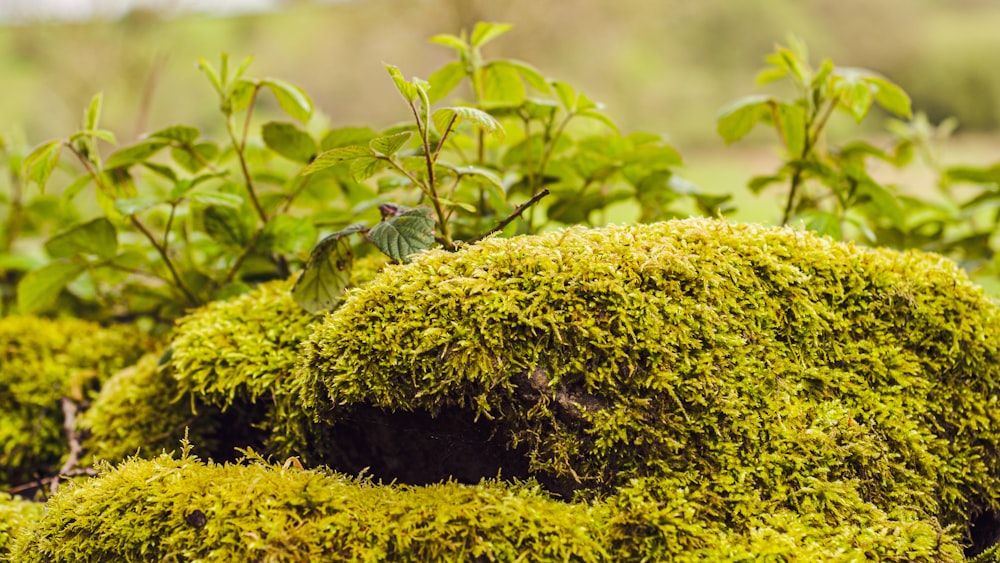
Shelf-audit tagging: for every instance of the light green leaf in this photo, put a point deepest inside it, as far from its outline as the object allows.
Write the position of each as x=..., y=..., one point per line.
x=292, y=99
x=346, y=136
x=336, y=156
x=823, y=223
x=443, y=80
x=241, y=94
x=40, y=288
x=390, y=144
x=97, y=237
x=183, y=134
x=93, y=113
x=40, y=163
x=485, y=32
x=405, y=234
x=133, y=205
x=891, y=97
x=443, y=117
x=366, y=167
x=101, y=134
x=193, y=158
x=793, y=127
x=566, y=95
x=738, y=118
x=289, y=141
x=406, y=88
x=213, y=76
x=288, y=235
x=598, y=116
x=327, y=274
x=885, y=202
x=452, y=41
x=502, y=84
x=531, y=75
x=217, y=198
x=134, y=154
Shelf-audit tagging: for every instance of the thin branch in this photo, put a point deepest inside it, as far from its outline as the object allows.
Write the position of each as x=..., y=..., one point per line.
x=517, y=213
x=178, y=280
x=70, y=410
x=240, y=146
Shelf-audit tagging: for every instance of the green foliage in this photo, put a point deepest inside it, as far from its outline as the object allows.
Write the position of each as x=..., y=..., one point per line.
x=43, y=363
x=784, y=371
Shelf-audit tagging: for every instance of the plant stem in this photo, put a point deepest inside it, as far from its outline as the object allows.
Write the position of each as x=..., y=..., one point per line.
x=423, y=129
x=517, y=213
x=178, y=280
x=240, y=146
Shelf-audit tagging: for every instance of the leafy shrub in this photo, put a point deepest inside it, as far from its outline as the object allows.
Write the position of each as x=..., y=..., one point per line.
x=47, y=366
x=778, y=363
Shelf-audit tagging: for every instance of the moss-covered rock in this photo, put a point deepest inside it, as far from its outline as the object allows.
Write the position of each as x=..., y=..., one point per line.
x=15, y=515
x=772, y=370
x=41, y=362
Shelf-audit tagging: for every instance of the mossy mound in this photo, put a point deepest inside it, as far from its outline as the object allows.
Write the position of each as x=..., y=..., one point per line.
x=41, y=362
x=780, y=368
x=169, y=509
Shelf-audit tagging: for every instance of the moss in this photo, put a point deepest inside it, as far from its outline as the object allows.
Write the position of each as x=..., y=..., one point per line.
x=140, y=411
x=42, y=361
x=170, y=509
x=15, y=514
x=781, y=368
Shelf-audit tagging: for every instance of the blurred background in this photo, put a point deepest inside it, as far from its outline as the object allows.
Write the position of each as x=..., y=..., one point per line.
x=663, y=66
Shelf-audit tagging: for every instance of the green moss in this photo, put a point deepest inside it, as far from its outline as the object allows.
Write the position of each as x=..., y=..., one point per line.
x=793, y=374
x=42, y=361
x=140, y=411
x=181, y=509
x=15, y=514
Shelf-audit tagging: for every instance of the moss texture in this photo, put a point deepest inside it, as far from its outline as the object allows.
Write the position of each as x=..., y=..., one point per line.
x=771, y=371
x=15, y=515
x=170, y=509
x=41, y=362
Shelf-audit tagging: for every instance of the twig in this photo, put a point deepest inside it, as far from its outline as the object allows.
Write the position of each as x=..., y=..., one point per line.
x=517, y=213
x=70, y=411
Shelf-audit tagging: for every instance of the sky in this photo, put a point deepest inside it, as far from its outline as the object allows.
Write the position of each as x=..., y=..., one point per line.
x=21, y=11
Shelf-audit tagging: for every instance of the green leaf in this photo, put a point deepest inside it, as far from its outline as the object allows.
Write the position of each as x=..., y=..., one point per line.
x=823, y=223
x=133, y=205
x=346, y=136
x=366, y=167
x=40, y=288
x=884, y=201
x=444, y=80
x=407, y=89
x=134, y=154
x=97, y=237
x=390, y=144
x=566, y=95
x=182, y=134
x=502, y=84
x=289, y=141
x=193, y=158
x=292, y=99
x=213, y=76
x=739, y=118
x=793, y=127
x=485, y=32
x=336, y=156
x=40, y=163
x=93, y=113
x=217, y=198
x=891, y=97
x=327, y=274
x=758, y=183
x=405, y=234
x=288, y=235
x=443, y=117
x=452, y=41
x=226, y=226
x=853, y=92
x=241, y=94
x=599, y=116
x=101, y=134
x=531, y=75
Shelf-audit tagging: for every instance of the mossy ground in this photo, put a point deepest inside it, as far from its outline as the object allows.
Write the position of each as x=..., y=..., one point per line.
x=691, y=391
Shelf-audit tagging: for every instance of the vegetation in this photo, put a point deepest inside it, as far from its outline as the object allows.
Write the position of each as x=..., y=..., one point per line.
x=355, y=297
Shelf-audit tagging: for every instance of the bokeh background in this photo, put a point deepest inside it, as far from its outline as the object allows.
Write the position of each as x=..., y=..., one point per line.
x=664, y=66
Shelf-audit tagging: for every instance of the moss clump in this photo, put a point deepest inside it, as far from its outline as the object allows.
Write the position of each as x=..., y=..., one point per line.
x=182, y=509
x=41, y=362
x=779, y=367
x=15, y=514
x=141, y=411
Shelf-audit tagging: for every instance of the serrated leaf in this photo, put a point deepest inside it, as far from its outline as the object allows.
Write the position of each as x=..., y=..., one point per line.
x=226, y=226
x=183, y=134
x=502, y=84
x=39, y=288
x=443, y=117
x=366, y=167
x=485, y=32
x=289, y=141
x=407, y=89
x=739, y=118
x=390, y=144
x=134, y=154
x=97, y=237
x=443, y=80
x=327, y=274
x=40, y=163
x=217, y=198
x=336, y=156
x=405, y=234
x=292, y=99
